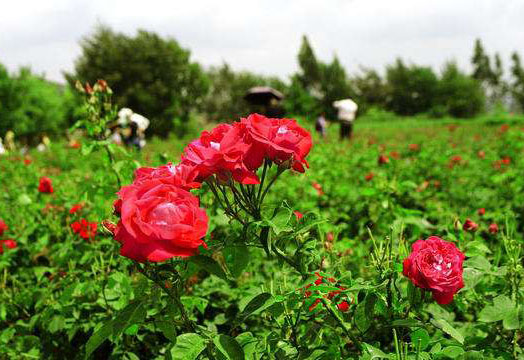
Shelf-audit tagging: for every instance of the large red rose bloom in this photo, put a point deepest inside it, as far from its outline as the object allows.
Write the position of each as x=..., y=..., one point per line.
x=224, y=152
x=279, y=139
x=159, y=221
x=436, y=265
x=181, y=175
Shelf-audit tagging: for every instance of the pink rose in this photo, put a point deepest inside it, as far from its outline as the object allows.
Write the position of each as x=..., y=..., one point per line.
x=436, y=265
x=159, y=221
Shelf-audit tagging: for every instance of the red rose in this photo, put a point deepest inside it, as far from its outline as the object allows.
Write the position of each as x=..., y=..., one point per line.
x=45, y=185
x=481, y=154
x=159, y=221
x=75, y=208
x=8, y=244
x=224, y=152
x=3, y=227
x=394, y=155
x=506, y=160
x=181, y=175
x=298, y=214
x=27, y=161
x=383, y=159
x=369, y=176
x=469, y=225
x=493, y=228
x=414, y=147
x=436, y=265
x=343, y=306
x=481, y=211
x=318, y=188
x=86, y=229
x=279, y=140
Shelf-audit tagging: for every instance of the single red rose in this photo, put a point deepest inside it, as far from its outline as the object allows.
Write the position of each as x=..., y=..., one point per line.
x=435, y=265
x=86, y=230
x=3, y=227
x=8, y=244
x=224, y=151
x=469, y=225
x=343, y=306
x=159, y=221
x=504, y=128
x=414, y=147
x=280, y=140
x=506, y=160
x=75, y=208
x=318, y=188
x=27, y=161
x=330, y=237
x=298, y=215
x=45, y=186
x=456, y=159
x=181, y=175
x=383, y=159
x=369, y=176
x=481, y=154
x=394, y=155
x=481, y=211
x=493, y=228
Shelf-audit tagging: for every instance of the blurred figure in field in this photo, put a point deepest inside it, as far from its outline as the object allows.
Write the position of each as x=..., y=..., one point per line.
x=44, y=144
x=10, y=141
x=134, y=128
x=347, y=111
x=2, y=148
x=321, y=124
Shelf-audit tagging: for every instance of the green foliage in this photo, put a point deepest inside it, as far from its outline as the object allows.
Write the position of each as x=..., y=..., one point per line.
x=31, y=106
x=151, y=75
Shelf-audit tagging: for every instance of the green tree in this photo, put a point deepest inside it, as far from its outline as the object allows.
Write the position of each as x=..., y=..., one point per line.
x=370, y=89
x=411, y=89
x=459, y=94
x=481, y=64
x=151, y=75
x=517, y=84
x=334, y=85
x=310, y=69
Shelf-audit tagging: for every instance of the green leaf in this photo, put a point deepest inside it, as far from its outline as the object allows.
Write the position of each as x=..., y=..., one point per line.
x=132, y=314
x=511, y=320
x=375, y=353
x=57, y=323
x=188, y=347
x=420, y=336
x=452, y=351
x=99, y=337
x=448, y=329
x=210, y=265
x=237, y=258
x=229, y=347
x=132, y=330
x=258, y=303
x=478, y=262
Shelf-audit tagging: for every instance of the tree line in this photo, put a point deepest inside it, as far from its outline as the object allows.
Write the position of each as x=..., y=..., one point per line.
x=156, y=77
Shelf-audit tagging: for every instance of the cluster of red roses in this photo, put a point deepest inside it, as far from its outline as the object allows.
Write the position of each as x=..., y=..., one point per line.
x=86, y=229
x=45, y=185
x=336, y=296
x=159, y=217
x=7, y=243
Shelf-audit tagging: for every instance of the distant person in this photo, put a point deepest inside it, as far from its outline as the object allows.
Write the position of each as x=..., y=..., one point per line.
x=347, y=111
x=321, y=125
x=2, y=149
x=134, y=127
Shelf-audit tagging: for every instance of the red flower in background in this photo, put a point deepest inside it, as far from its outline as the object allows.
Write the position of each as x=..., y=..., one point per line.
x=298, y=214
x=86, y=230
x=159, y=221
x=45, y=186
x=279, y=140
x=436, y=265
x=493, y=228
x=506, y=160
x=469, y=225
x=3, y=227
x=343, y=306
x=8, y=244
x=369, y=176
x=27, y=161
x=481, y=211
x=414, y=147
x=75, y=208
x=481, y=154
x=395, y=155
x=383, y=159
x=318, y=188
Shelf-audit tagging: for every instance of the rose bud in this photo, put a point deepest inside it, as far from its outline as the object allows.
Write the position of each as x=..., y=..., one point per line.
x=493, y=228
x=343, y=306
x=298, y=214
x=435, y=265
x=469, y=225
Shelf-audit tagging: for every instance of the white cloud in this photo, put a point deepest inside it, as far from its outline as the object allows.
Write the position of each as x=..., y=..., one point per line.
x=264, y=36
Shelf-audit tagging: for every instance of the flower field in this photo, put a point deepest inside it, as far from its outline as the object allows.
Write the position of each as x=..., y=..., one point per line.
x=268, y=242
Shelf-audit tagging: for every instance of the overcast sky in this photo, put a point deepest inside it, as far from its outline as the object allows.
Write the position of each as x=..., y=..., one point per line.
x=264, y=36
